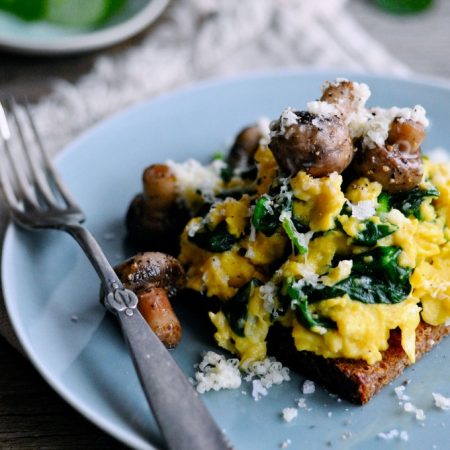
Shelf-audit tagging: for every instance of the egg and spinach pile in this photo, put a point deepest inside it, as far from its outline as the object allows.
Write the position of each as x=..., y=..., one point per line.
x=339, y=262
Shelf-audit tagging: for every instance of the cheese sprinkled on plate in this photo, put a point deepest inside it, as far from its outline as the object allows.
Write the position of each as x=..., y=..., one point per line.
x=441, y=402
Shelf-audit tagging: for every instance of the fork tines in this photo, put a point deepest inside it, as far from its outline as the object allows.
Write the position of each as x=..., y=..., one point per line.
x=26, y=173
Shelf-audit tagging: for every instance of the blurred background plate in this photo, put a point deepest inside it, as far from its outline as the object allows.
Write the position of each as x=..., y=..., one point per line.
x=44, y=38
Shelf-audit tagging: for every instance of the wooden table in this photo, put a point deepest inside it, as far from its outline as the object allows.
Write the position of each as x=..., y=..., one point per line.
x=31, y=414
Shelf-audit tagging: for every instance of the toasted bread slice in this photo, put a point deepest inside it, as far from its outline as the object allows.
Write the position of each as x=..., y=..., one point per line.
x=354, y=380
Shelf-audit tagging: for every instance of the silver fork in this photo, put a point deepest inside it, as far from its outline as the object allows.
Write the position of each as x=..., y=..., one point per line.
x=38, y=199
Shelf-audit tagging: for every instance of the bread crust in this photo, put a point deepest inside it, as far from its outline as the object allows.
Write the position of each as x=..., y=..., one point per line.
x=354, y=380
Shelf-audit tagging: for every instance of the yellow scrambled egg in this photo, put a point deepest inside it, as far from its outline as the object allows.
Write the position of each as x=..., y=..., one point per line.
x=326, y=253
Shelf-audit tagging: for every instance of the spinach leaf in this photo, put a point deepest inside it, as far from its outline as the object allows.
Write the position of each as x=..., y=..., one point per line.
x=409, y=202
x=226, y=173
x=235, y=309
x=266, y=215
x=376, y=277
x=299, y=302
x=384, y=205
x=298, y=239
x=372, y=232
x=217, y=241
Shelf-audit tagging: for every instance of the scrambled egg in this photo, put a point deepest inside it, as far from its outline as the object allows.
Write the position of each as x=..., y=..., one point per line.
x=338, y=231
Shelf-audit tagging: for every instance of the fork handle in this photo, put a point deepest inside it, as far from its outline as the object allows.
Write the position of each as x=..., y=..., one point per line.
x=181, y=416
x=110, y=280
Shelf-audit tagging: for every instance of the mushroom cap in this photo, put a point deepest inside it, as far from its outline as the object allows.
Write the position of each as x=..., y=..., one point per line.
x=244, y=147
x=317, y=144
x=397, y=165
x=149, y=270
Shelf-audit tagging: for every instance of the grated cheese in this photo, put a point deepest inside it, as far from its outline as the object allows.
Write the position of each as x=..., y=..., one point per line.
x=258, y=390
x=410, y=408
x=269, y=371
x=403, y=435
x=191, y=176
x=324, y=109
x=286, y=443
x=441, y=402
x=216, y=372
x=287, y=118
x=363, y=210
x=400, y=393
x=376, y=129
x=263, y=126
x=309, y=387
x=289, y=414
x=267, y=293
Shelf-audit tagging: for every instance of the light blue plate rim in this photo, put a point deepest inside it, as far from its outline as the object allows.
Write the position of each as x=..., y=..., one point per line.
x=86, y=42
x=89, y=410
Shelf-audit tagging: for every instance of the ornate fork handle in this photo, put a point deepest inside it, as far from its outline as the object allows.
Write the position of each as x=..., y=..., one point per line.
x=182, y=417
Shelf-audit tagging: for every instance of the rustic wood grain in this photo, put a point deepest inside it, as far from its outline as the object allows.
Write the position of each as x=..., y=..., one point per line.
x=33, y=416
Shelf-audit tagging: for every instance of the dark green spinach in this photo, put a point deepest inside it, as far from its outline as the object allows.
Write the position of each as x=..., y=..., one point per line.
x=217, y=240
x=297, y=239
x=376, y=277
x=407, y=202
x=299, y=302
x=266, y=216
x=372, y=232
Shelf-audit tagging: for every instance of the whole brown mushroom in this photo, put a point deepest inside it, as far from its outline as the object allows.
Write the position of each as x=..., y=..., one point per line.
x=155, y=278
x=343, y=96
x=397, y=165
x=155, y=217
x=317, y=144
x=243, y=151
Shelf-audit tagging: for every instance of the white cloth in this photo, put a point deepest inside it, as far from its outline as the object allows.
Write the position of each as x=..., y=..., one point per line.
x=197, y=39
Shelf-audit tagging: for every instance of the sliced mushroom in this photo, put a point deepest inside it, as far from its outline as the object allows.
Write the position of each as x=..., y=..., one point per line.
x=155, y=278
x=155, y=217
x=316, y=144
x=397, y=165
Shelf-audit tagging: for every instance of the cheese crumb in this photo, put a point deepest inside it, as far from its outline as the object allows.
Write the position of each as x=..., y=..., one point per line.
x=287, y=118
x=404, y=435
x=301, y=403
x=267, y=293
x=309, y=387
x=400, y=393
x=409, y=407
x=192, y=177
x=216, y=372
x=269, y=371
x=289, y=414
x=324, y=109
x=363, y=210
x=263, y=125
x=286, y=443
x=441, y=402
x=379, y=122
x=258, y=390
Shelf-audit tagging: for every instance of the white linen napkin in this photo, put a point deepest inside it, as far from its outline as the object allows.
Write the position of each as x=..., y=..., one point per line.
x=197, y=39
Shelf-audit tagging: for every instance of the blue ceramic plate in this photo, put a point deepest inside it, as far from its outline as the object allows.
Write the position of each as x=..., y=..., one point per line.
x=45, y=39
x=52, y=292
